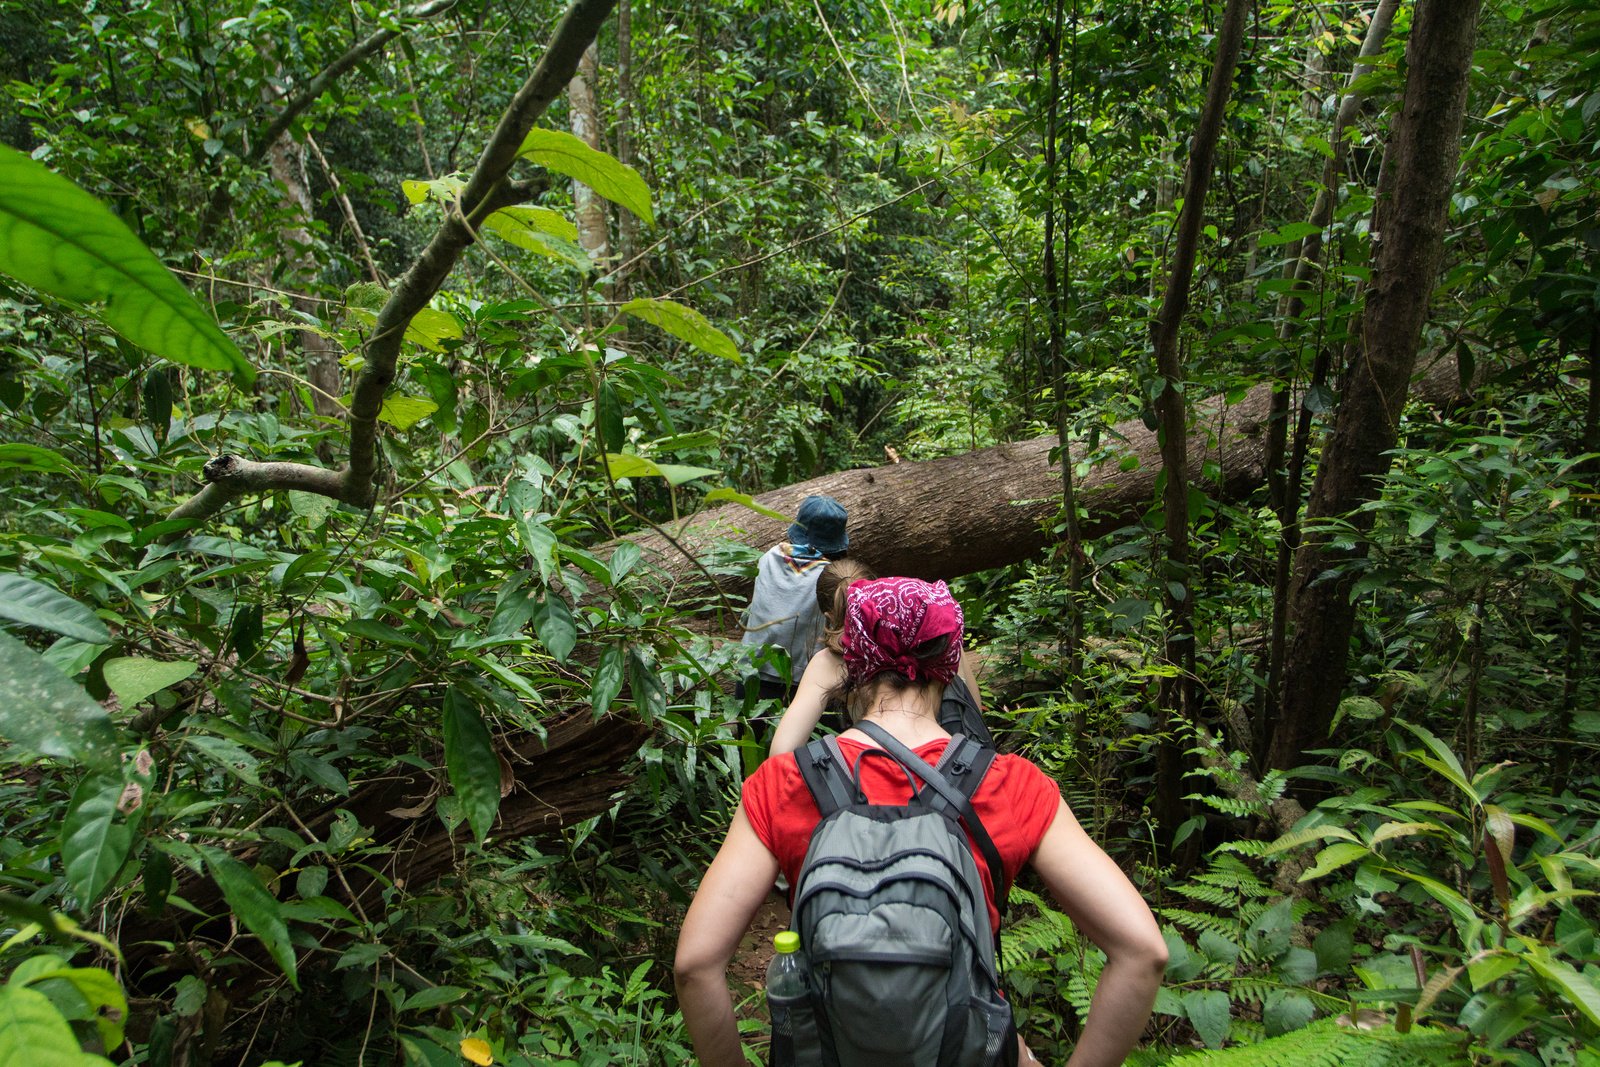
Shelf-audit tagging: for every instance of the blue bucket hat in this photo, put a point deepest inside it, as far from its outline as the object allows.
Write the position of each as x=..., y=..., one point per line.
x=819, y=524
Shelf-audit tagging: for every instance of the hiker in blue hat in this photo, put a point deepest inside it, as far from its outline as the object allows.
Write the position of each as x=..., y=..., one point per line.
x=783, y=609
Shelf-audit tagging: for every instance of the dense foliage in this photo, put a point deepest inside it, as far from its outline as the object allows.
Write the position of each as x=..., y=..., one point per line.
x=430, y=773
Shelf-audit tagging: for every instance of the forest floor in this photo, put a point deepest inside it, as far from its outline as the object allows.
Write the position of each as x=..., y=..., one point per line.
x=749, y=967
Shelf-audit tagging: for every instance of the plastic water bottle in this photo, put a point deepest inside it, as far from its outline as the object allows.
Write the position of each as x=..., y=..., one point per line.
x=788, y=989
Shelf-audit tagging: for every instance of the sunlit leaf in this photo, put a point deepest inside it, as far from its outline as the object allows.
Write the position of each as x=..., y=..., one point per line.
x=684, y=323
x=563, y=153
x=33, y=1031
x=404, y=412
x=733, y=496
x=135, y=678
x=62, y=241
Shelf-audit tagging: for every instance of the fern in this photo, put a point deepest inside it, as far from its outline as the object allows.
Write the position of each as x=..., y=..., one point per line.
x=1327, y=1044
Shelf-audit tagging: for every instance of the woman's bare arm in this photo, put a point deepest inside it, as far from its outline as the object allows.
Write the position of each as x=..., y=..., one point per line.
x=738, y=880
x=823, y=674
x=1098, y=897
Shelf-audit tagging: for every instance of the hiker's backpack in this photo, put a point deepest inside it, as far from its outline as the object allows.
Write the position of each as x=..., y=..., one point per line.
x=892, y=916
x=959, y=714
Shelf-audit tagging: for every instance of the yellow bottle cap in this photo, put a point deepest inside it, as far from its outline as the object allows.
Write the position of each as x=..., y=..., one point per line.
x=787, y=941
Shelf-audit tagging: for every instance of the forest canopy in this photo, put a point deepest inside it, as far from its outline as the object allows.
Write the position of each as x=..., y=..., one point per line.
x=396, y=400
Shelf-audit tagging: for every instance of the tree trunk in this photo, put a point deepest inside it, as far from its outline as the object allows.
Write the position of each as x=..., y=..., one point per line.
x=1408, y=234
x=593, y=231
x=287, y=160
x=1177, y=690
x=946, y=517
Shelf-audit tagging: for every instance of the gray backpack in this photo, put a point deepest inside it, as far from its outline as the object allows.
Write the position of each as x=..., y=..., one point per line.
x=891, y=913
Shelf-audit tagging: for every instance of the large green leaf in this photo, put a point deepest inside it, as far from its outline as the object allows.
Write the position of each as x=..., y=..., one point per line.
x=33, y=1031
x=565, y=154
x=540, y=230
x=1209, y=1011
x=684, y=323
x=627, y=465
x=36, y=604
x=135, y=678
x=62, y=241
x=44, y=711
x=552, y=618
x=254, y=906
x=470, y=760
x=82, y=994
x=94, y=842
x=744, y=500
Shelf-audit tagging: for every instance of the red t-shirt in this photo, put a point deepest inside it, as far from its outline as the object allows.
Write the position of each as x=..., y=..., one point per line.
x=1016, y=804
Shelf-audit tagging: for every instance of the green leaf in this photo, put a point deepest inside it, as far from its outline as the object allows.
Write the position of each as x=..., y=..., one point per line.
x=649, y=696
x=314, y=507
x=229, y=755
x=33, y=1031
x=470, y=761
x=563, y=153
x=608, y=417
x=256, y=908
x=1364, y=708
x=157, y=396
x=404, y=412
x=62, y=241
x=429, y=327
x=34, y=458
x=1335, y=945
x=445, y=190
x=98, y=996
x=628, y=465
x=537, y=219
x=733, y=496
x=433, y=997
x=1578, y=988
x=94, y=843
x=542, y=231
x=607, y=680
x=35, y=604
x=552, y=619
x=684, y=323
x=1294, y=231
x=1285, y=1011
x=135, y=678
x=1444, y=762
x=1208, y=1011
x=623, y=560
x=44, y=711
x=1335, y=856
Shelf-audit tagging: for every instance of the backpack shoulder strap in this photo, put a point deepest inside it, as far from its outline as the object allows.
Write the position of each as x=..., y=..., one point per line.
x=958, y=800
x=823, y=769
x=965, y=762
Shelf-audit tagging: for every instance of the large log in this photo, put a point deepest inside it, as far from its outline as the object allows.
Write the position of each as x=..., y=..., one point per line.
x=946, y=517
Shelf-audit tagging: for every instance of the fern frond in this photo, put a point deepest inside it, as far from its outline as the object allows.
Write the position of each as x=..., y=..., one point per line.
x=1327, y=1044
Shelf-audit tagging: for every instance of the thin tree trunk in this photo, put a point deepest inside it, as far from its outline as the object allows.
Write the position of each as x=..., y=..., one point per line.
x=1058, y=309
x=1408, y=234
x=627, y=223
x=593, y=231
x=286, y=159
x=1177, y=691
x=1302, y=263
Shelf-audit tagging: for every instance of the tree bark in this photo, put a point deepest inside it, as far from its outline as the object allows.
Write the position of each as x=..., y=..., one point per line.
x=1302, y=265
x=594, y=234
x=946, y=517
x=1413, y=198
x=1177, y=690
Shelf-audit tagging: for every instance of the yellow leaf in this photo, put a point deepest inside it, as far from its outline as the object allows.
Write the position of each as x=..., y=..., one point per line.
x=477, y=1050
x=199, y=129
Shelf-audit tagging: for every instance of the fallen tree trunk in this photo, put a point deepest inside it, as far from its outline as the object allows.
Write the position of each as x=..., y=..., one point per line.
x=946, y=517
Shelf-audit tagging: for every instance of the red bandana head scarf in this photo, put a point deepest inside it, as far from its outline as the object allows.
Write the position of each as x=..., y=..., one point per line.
x=887, y=619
